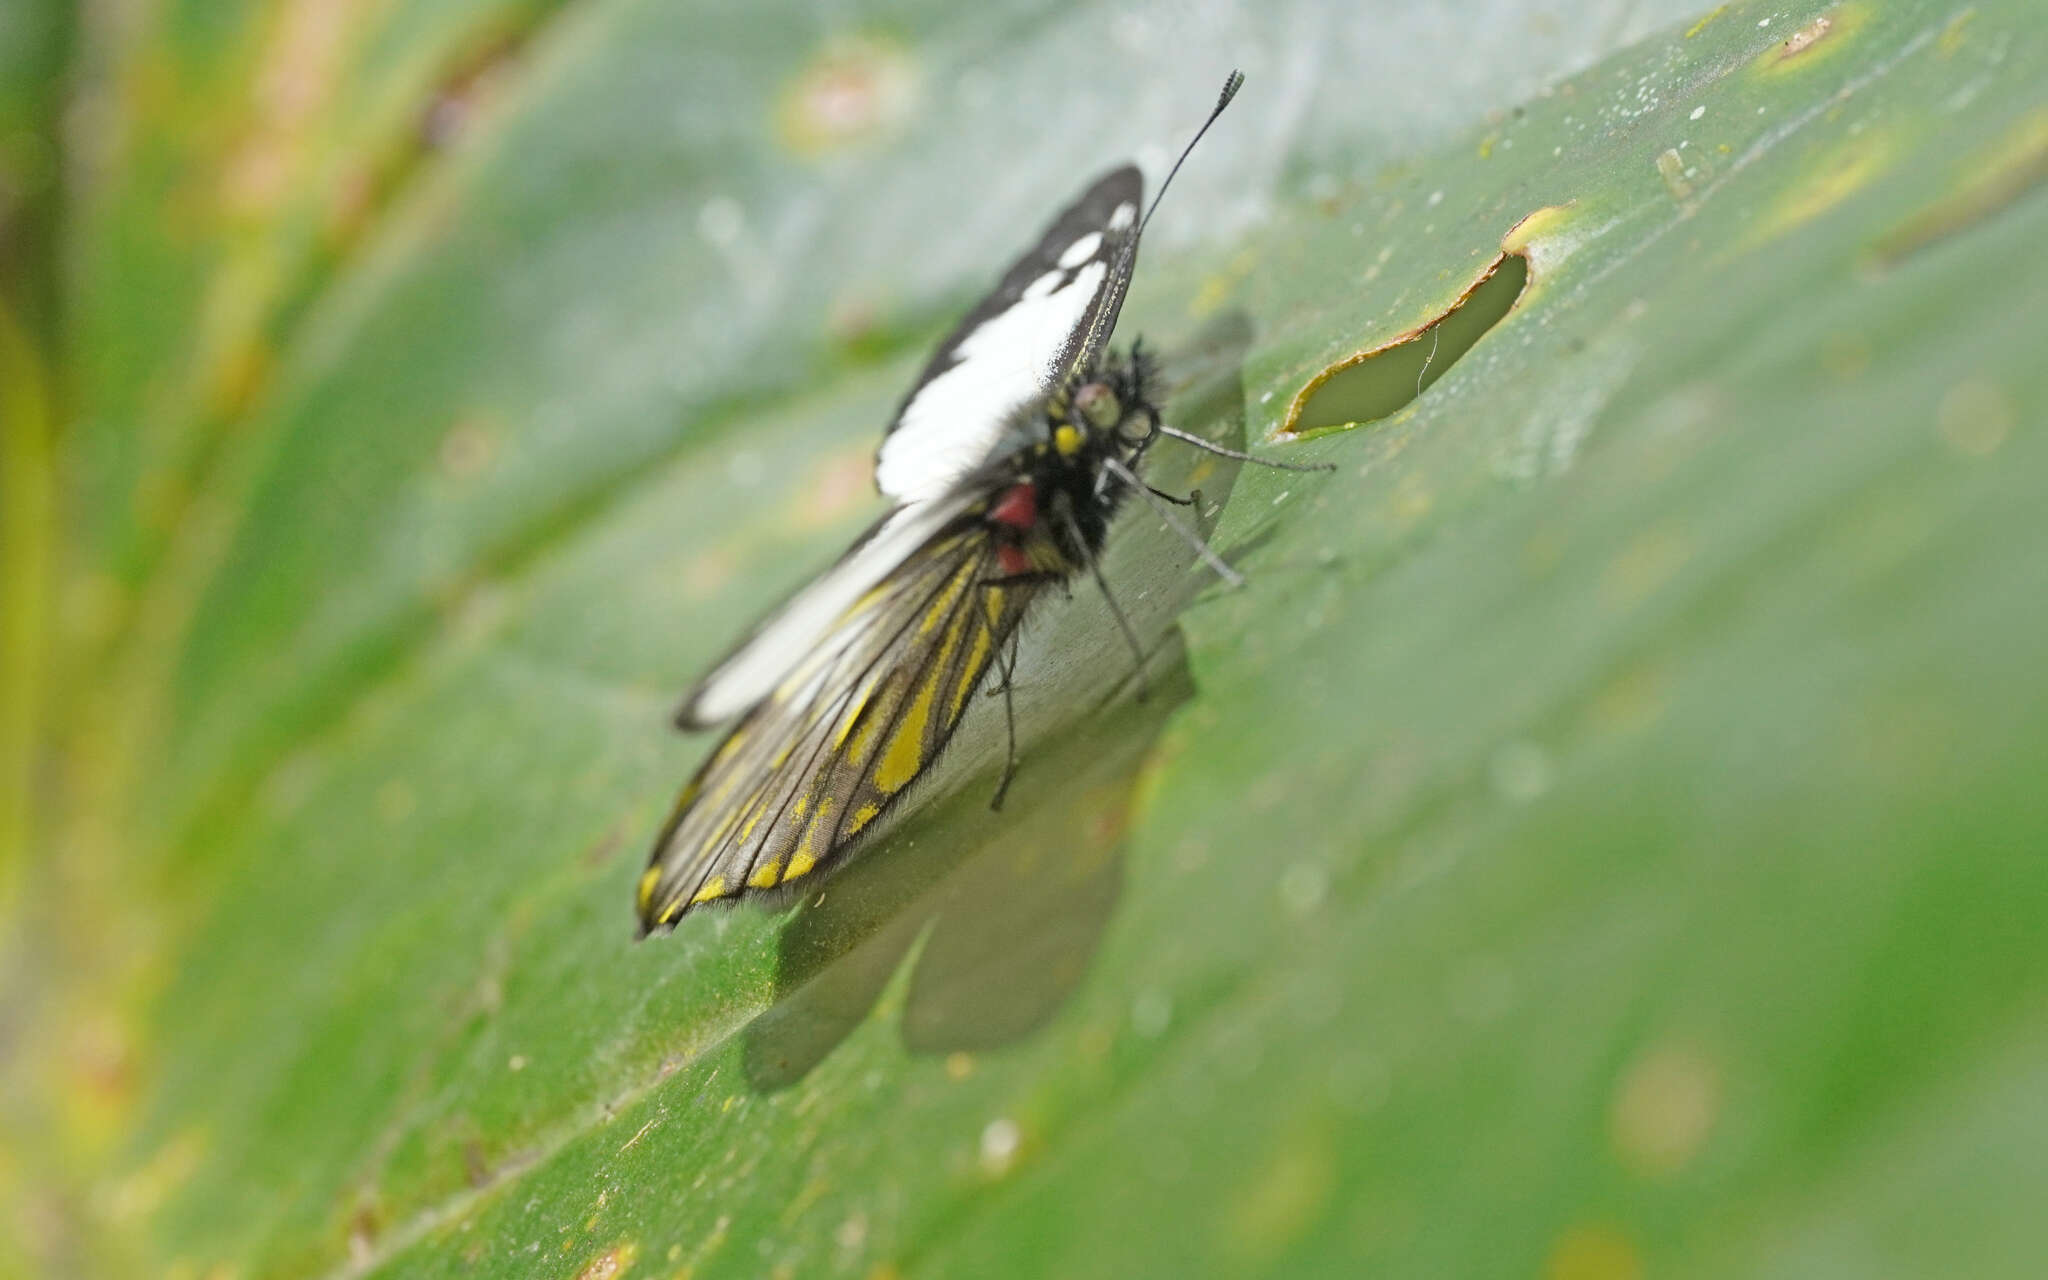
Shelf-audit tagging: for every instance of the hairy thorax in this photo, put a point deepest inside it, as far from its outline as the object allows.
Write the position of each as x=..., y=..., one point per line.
x=1053, y=511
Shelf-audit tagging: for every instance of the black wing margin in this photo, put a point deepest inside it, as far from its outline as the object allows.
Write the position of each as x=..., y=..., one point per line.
x=1051, y=311
x=1122, y=187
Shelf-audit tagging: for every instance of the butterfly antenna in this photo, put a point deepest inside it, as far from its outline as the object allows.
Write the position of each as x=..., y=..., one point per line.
x=1127, y=257
x=1230, y=88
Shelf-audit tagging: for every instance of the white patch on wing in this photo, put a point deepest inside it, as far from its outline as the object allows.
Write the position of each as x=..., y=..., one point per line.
x=1126, y=214
x=1043, y=285
x=803, y=625
x=956, y=420
x=1081, y=250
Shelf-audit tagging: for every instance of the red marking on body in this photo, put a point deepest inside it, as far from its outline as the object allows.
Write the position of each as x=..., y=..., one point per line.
x=1018, y=508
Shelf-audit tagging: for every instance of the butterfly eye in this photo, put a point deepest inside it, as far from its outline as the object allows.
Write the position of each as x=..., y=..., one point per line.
x=1098, y=404
x=1137, y=429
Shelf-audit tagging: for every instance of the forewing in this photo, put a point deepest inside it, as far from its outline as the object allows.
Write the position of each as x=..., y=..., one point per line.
x=1053, y=307
x=842, y=736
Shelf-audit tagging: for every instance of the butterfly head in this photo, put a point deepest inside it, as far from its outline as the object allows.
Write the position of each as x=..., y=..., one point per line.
x=1108, y=409
x=1098, y=406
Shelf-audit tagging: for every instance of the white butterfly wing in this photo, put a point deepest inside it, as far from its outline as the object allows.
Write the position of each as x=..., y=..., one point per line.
x=1054, y=307
x=804, y=622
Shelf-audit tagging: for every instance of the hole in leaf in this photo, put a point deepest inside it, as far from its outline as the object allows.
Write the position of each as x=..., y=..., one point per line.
x=1381, y=382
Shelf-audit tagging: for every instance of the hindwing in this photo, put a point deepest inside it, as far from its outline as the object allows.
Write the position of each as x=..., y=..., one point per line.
x=811, y=767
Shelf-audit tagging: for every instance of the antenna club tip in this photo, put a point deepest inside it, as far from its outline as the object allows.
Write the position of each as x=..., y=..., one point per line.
x=1230, y=88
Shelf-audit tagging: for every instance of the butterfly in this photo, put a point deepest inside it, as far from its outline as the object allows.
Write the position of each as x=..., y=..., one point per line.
x=1004, y=466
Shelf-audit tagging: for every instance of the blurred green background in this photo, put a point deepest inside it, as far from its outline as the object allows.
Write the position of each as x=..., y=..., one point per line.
x=1605, y=840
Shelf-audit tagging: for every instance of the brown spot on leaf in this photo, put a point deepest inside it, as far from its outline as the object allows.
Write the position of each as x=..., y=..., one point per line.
x=1827, y=180
x=362, y=1236
x=295, y=77
x=705, y=572
x=467, y=448
x=475, y=81
x=1975, y=417
x=842, y=484
x=851, y=93
x=1664, y=1109
x=240, y=376
x=615, y=1261
x=602, y=848
x=1591, y=1252
x=1806, y=37
x=1953, y=32
x=1631, y=702
x=1817, y=41
x=1287, y=1195
x=2012, y=168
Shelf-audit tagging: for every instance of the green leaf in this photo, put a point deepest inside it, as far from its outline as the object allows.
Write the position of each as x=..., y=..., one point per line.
x=1600, y=840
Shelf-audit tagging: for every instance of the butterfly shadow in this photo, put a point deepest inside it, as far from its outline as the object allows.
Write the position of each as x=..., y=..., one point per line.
x=1003, y=911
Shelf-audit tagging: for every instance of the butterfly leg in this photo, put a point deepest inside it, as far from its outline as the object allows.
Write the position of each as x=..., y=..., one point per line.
x=1123, y=623
x=1009, y=722
x=1194, y=499
x=1193, y=538
x=1240, y=455
x=1011, y=580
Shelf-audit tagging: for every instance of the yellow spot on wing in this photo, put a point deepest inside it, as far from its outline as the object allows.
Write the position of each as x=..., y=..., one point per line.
x=684, y=800
x=859, y=749
x=648, y=879
x=754, y=817
x=862, y=817
x=1067, y=440
x=944, y=604
x=992, y=600
x=805, y=856
x=860, y=702
x=905, y=754
x=769, y=873
x=725, y=826
x=713, y=888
